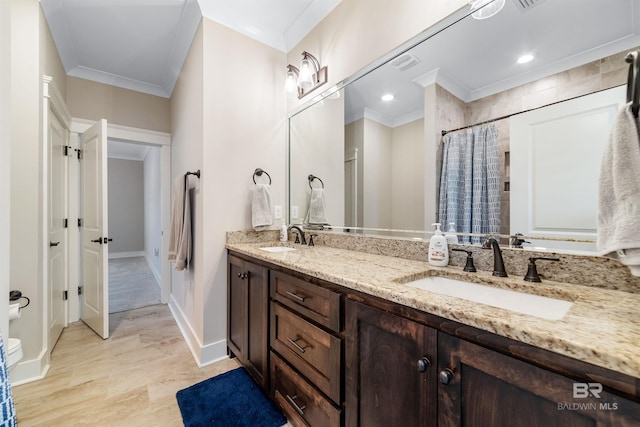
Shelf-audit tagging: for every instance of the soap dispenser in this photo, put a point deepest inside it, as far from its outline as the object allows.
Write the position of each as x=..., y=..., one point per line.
x=284, y=235
x=451, y=234
x=438, y=249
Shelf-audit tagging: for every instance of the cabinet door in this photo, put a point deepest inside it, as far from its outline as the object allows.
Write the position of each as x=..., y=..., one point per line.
x=248, y=298
x=390, y=373
x=480, y=387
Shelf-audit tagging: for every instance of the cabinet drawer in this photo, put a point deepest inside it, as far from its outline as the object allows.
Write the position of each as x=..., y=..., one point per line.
x=315, y=302
x=301, y=402
x=311, y=350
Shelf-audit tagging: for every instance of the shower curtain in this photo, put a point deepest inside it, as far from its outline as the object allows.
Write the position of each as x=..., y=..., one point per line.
x=470, y=182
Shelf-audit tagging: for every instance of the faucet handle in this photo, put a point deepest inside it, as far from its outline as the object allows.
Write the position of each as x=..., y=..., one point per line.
x=469, y=266
x=311, y=236
x=532, y=271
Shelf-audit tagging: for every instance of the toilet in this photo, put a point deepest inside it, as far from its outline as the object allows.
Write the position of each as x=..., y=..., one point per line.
x=14, y=352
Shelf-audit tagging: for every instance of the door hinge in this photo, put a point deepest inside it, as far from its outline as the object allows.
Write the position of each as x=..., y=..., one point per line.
x=79, y=153
x=79, y=222
x=79, y=290
x=65, y=295
x=66, y=223
x=66, y=150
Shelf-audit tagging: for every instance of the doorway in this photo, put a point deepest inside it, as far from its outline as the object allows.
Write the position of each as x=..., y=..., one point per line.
x=134, y=225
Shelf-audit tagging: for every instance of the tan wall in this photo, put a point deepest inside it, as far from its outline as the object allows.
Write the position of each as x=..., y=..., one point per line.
x=94, y=101
x=407, y=176
x=50, y=62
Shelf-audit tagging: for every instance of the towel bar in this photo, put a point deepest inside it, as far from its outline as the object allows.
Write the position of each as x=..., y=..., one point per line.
x=311, y=178
x=259, y=172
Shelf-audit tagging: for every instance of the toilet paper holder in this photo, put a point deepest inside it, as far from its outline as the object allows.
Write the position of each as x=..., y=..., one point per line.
x=17, y=295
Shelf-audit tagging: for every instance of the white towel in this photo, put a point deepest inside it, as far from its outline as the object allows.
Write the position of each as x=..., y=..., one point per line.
x=317, y=213
x=180, y=233
x=619, y=193
x=261, y=217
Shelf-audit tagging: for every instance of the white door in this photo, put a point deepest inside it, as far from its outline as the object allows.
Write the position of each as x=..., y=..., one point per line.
x=555, y=163
x=95, y=274
x=57, y=141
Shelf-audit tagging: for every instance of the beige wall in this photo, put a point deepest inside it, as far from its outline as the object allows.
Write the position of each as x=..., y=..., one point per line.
x=187, y=141
x=354, y=140
x=5, y=161
x=357, y=32
x=376, y=187
x=407, y=176
x=94, y=101
x=227, y=121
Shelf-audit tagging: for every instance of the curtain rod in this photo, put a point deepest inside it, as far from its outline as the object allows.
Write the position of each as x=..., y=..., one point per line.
x=444, y=132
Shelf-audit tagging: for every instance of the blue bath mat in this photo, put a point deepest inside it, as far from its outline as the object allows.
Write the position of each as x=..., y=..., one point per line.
x=229, y=399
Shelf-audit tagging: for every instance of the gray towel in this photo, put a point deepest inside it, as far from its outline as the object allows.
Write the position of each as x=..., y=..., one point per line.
x=317, y=213
x=619, y=193
x=180, y=233
x=261, y=217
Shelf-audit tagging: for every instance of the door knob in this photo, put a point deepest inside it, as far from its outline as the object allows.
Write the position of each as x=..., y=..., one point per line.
x=98, y=240
x=51, y=244
x=446, y=376
x=423, y=364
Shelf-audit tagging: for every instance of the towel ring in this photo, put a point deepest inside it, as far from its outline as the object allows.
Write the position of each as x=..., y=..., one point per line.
x=311, y=178
x=259, y=172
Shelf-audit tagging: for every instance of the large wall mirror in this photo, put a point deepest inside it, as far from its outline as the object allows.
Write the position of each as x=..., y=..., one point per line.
x=378, y=163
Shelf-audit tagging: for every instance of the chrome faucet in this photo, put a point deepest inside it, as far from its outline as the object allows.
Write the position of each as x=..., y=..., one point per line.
x=299, y=236
x=498, y=263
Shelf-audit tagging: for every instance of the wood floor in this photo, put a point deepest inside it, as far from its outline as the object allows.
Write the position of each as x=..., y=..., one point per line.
x=128, y=380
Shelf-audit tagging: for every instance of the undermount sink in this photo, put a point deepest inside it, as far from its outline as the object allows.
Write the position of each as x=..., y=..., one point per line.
x=520, y=302
x=278, y=249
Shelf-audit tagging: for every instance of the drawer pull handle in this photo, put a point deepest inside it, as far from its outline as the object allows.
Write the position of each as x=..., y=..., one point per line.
x=296, y=345
x=299, y=410
x=295, y=296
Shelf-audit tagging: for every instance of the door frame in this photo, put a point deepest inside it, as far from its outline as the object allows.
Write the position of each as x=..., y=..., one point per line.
x=140, y=136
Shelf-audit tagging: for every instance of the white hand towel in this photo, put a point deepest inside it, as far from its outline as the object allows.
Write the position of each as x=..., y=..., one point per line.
x=619, y=193
x=261, y=217
x=317, y=213
x=180, y=234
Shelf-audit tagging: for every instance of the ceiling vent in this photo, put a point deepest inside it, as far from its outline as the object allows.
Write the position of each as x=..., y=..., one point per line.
x=525, y=5
x=405, y=61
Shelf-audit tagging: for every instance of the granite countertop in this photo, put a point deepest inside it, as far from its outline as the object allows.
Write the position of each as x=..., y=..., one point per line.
x=602, y=327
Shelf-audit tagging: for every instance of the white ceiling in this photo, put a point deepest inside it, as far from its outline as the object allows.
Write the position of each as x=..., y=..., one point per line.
x=476, y=58
x=141, y=44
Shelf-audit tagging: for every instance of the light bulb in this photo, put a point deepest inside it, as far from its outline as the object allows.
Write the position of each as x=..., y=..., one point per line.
x=483, y=10
x=305, y=79
x=290, y=84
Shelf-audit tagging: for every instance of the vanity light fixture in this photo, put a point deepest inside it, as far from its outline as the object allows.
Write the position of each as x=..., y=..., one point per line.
x=525, y=58
x=484, y=9
x=308, y=77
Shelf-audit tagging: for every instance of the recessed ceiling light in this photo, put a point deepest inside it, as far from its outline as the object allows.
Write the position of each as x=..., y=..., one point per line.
x=387, y=97
x=525, y=58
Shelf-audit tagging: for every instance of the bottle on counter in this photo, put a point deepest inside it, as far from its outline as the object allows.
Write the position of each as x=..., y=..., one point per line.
x=451, y=234
x=284, y=235
x=438, y=248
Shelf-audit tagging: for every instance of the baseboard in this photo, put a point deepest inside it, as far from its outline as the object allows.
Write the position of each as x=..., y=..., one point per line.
x=132, y=254
x=155, y=272
x=27, y=371
x=202, y=354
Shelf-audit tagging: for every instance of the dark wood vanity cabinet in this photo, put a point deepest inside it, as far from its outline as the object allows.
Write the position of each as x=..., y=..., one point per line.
x=390, y=369
x=329, y=357
x=481, y=387
x=248, y=316
x=307, y=351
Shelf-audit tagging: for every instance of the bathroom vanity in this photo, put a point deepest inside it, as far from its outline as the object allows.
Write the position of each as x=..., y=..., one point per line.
x=348, y=342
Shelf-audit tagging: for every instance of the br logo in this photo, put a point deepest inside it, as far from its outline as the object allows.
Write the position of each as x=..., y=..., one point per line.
x=584, y=390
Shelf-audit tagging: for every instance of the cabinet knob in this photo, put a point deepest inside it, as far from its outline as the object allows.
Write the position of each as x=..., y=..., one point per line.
x=446, y=376
x=243, y=276
x=423, y=364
